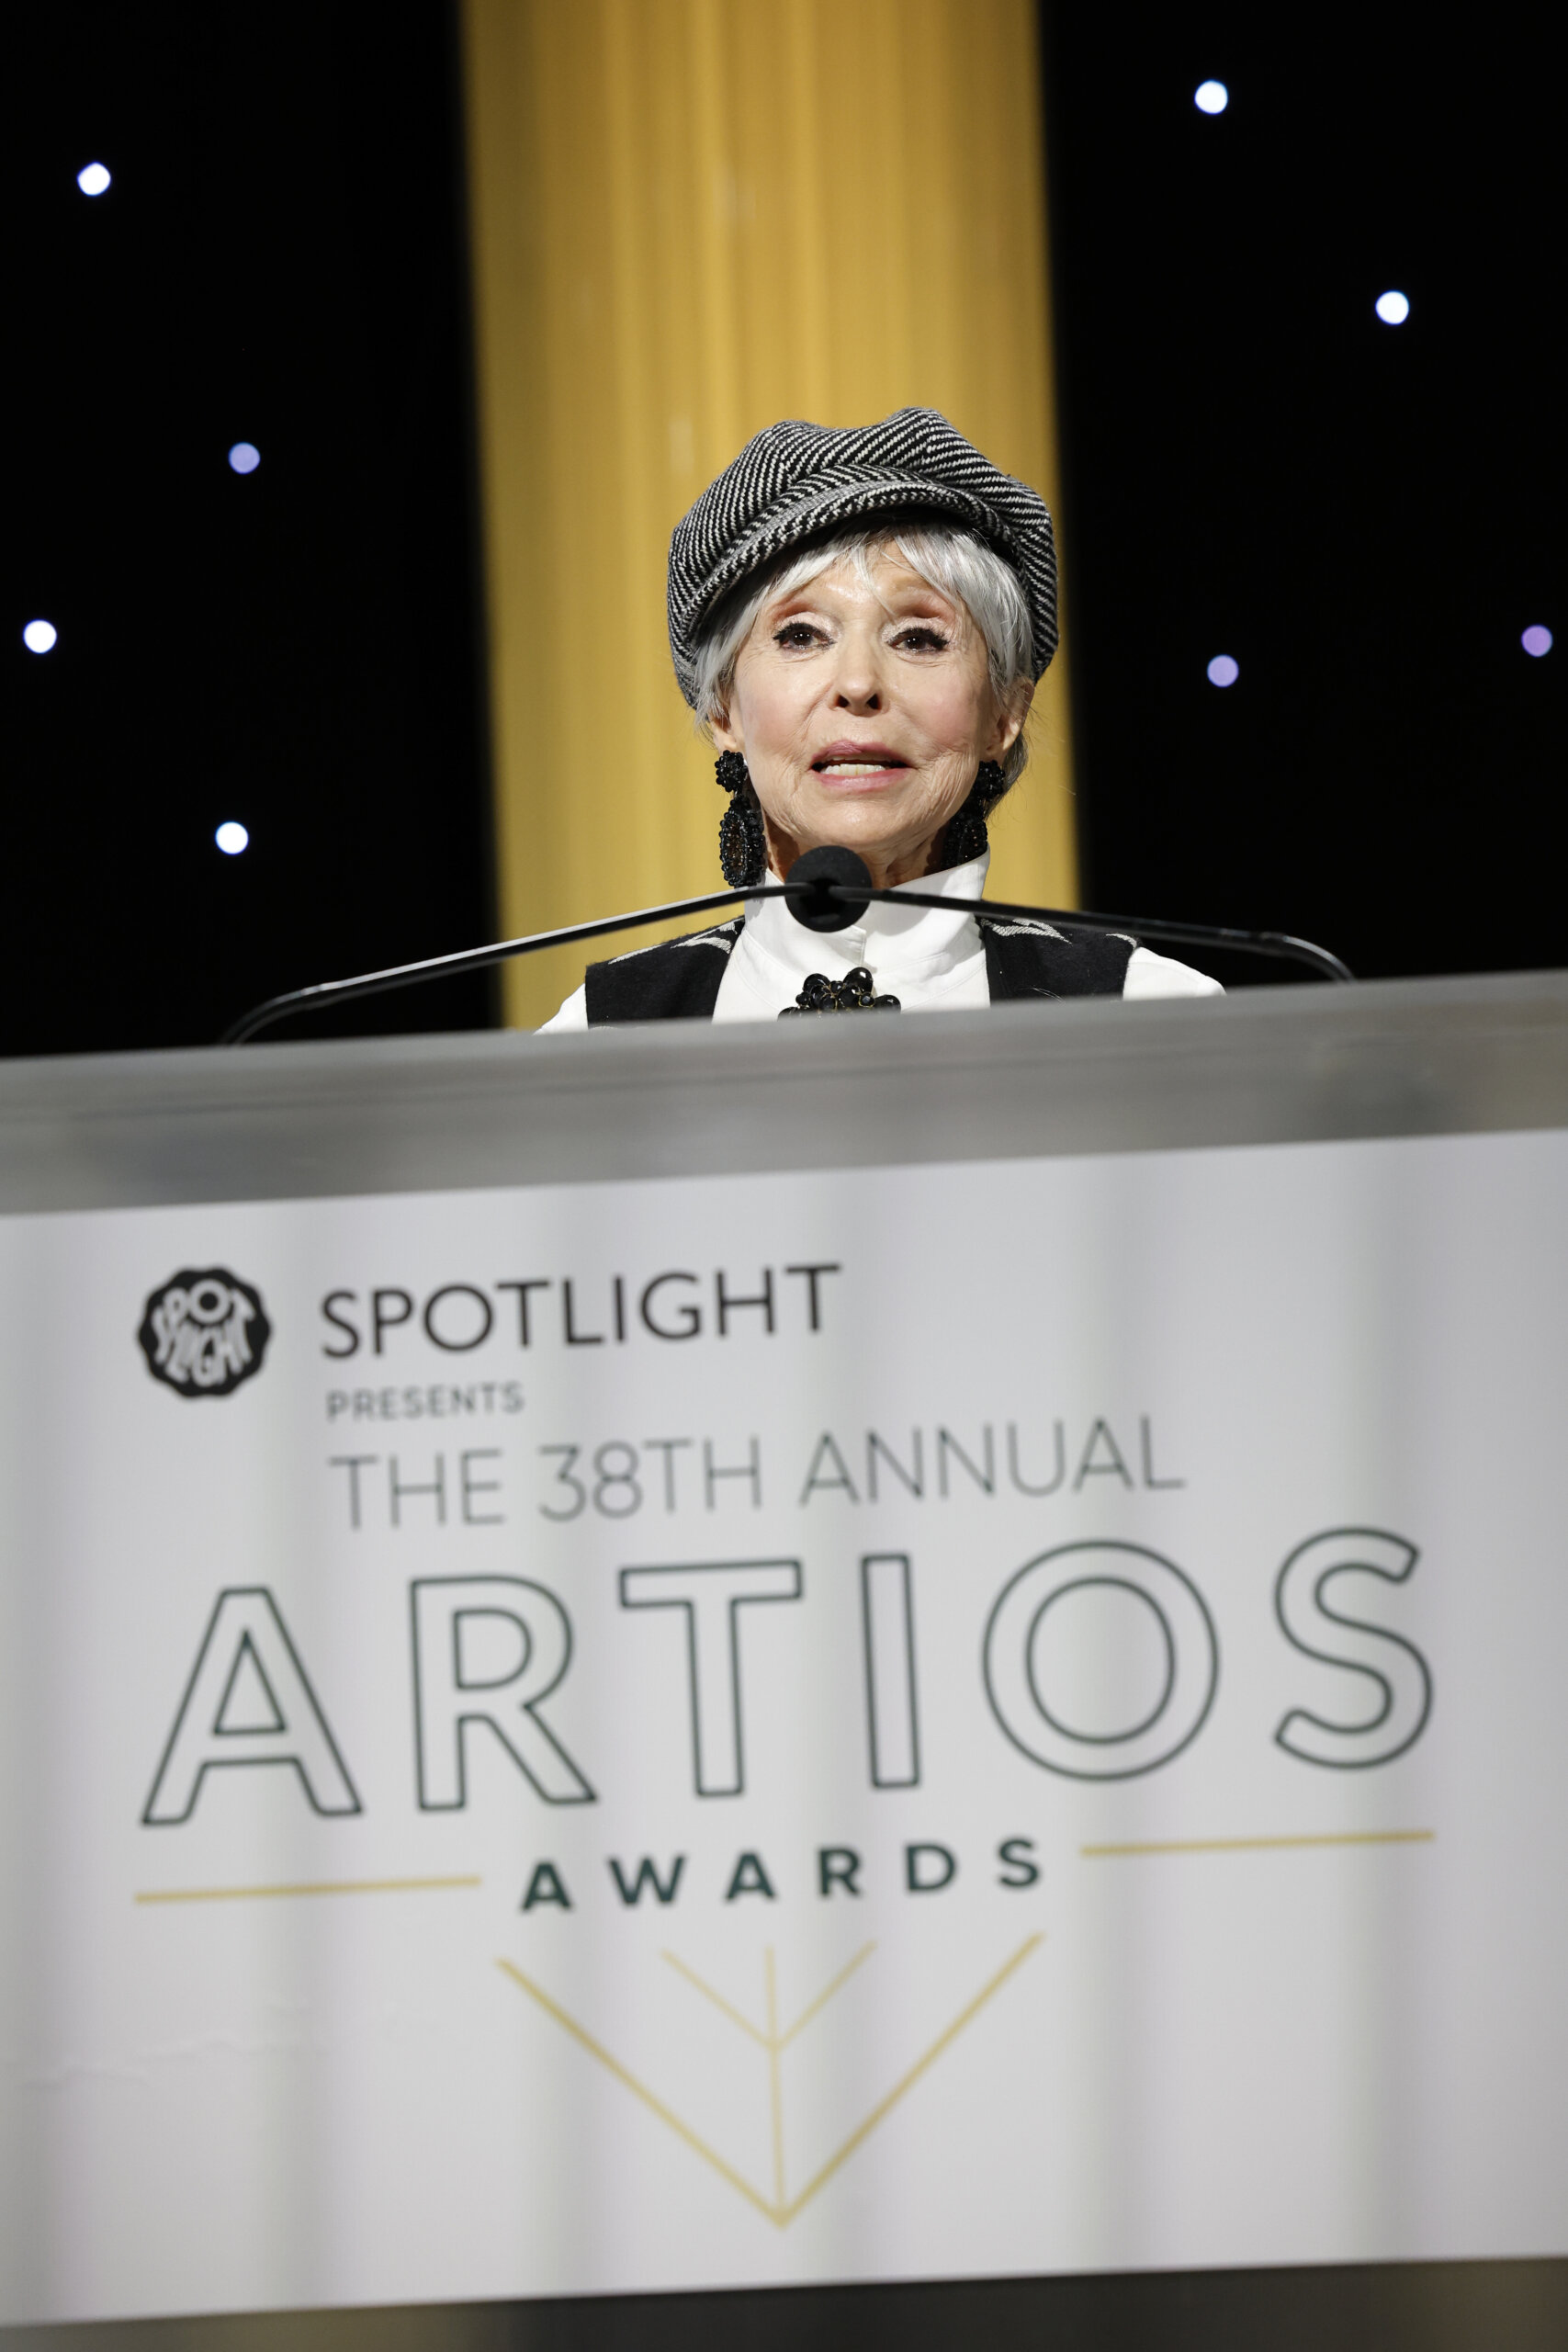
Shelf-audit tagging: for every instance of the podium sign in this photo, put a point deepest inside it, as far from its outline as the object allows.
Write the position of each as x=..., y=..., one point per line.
x=935, y=1719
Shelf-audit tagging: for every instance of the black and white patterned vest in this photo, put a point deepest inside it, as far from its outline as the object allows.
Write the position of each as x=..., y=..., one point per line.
x=679, y=980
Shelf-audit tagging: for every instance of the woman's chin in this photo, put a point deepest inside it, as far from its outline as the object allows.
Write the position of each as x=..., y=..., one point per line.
x=869, y=822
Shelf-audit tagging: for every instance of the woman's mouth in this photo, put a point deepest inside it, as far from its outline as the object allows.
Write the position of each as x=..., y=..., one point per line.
x=851, y=762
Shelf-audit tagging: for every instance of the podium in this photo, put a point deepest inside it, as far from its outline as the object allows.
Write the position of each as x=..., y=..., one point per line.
x=898, y=1676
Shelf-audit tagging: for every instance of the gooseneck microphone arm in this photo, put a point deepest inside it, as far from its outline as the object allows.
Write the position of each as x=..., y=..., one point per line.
x=1282, y=944
x=829, y=889
x=470, y=959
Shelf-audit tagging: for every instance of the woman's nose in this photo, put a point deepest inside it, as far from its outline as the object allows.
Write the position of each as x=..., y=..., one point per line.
x=858, y=686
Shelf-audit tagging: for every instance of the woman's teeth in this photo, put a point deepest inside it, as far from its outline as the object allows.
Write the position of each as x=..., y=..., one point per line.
x=857, y=767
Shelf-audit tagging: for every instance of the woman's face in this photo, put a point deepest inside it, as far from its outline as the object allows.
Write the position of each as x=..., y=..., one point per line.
x=862, y=713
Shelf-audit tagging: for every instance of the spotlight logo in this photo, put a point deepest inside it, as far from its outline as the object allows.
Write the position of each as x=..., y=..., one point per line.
x=204, y=1332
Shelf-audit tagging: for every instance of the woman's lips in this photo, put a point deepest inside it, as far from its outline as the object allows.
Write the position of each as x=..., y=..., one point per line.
x=859, y=782
x=858, y=762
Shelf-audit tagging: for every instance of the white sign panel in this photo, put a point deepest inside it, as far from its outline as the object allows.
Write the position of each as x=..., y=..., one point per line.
x=885, y=1724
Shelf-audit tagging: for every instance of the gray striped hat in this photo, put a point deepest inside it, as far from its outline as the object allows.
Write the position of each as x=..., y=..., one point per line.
x=798, y=481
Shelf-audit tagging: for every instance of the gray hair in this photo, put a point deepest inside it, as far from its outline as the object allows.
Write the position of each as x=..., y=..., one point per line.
x=955, y=561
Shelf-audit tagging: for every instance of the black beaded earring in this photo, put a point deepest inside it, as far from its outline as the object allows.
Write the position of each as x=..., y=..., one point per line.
x=742, y=843
x=966, y=837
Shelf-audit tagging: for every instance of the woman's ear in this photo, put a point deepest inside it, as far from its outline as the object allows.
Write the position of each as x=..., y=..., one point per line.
x=1009, y=724
x=722, y=735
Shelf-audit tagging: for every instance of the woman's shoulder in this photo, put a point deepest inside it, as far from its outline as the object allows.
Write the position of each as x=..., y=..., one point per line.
x=665, y=982
x=1149, y=976
x=1027, y=956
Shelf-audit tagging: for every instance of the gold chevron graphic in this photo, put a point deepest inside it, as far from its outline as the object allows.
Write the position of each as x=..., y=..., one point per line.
x=780, y=2209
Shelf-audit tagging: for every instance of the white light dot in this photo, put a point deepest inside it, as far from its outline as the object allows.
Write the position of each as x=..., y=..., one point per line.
x=231, y=838
x=93, y=178
x=1223, y=669
x=244, y=457
x=1393, y=308
x=1537, y=640
x=40, y=637
x=1211, y=97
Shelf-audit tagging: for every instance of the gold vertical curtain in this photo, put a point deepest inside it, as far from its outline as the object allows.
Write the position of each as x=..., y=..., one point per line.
x=690, y=218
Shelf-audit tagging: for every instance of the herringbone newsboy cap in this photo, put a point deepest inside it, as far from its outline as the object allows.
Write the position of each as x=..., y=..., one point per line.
x=798, y=481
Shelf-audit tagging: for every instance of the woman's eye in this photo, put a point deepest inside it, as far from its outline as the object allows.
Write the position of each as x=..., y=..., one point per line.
x=922, y=640
x=797, y=633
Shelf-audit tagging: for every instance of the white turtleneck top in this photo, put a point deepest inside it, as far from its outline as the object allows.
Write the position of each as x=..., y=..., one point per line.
x=931, y=959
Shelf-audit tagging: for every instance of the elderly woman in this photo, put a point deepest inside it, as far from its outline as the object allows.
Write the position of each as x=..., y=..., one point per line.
x=859, y=619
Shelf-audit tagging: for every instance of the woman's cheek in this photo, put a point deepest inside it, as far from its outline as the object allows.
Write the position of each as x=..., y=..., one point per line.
x=952, y=714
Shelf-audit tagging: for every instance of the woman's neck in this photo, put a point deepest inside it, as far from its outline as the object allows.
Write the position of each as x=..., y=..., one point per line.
x=887, y=866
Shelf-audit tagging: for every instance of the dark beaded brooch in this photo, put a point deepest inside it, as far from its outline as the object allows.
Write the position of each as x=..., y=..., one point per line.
x=857, y=993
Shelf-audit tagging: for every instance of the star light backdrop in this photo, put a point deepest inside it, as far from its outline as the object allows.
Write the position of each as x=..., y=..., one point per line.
x=1306, y=386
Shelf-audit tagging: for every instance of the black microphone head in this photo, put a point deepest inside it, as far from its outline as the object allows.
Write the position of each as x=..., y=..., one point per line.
x=812, y=903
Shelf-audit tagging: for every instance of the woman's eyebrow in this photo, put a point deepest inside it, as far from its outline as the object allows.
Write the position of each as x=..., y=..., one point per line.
x=796, y=600
x=927, y=607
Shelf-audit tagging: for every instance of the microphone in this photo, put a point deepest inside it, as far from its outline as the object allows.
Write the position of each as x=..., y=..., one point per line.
x=827, y=889
x=830, y=888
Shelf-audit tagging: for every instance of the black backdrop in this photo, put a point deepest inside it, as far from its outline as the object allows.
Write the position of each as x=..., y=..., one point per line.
x=278, y=260
x=1365, y=517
